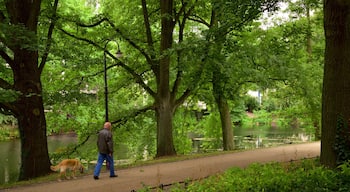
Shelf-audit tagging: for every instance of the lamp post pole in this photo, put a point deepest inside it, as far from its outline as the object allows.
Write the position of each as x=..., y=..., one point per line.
x=119, y=54
x=106, y=83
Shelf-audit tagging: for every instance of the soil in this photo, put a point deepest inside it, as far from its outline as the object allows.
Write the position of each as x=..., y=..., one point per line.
x=166, y=174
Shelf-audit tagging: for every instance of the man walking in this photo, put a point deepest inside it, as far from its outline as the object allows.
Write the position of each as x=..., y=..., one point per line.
x=105, y=150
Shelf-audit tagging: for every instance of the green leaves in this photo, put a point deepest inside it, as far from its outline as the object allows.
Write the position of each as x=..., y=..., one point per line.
x=305, y=176
x=8, y=95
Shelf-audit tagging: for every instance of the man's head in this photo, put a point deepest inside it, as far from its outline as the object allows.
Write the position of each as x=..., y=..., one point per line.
x=107, y=125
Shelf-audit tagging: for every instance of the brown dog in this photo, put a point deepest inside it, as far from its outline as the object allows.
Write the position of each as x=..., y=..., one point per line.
x=64, y=165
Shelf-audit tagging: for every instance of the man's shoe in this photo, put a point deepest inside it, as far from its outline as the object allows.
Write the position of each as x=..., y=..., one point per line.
x=95, y=177
x=113, y=176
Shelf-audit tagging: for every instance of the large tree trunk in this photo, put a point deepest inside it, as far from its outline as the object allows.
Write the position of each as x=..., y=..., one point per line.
x=165, y=144
x=32, y=124
x=28, y=108
x=336, y=82
x=164, y=102
x=218, y=88
x=226, y=124
x=225, y=117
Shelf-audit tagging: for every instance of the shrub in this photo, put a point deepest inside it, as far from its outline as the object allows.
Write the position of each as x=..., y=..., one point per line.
x=305, y=175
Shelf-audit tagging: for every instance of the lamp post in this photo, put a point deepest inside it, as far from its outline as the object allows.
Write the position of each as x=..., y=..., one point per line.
x=118, y=55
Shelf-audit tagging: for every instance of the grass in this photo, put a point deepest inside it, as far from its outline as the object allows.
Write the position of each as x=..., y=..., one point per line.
x=304, y=175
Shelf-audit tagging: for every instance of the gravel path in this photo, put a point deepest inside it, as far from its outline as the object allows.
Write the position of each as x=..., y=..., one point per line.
x=132, y=179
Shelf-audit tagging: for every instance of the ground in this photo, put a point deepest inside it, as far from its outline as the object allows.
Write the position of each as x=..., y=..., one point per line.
x=165, y=174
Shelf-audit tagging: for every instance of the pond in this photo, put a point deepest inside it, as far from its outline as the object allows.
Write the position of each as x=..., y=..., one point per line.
x=245, y=138
x=10, y=155
x=251, y=138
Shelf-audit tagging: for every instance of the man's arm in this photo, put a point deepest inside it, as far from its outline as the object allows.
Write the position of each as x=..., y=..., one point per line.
x=110, y=143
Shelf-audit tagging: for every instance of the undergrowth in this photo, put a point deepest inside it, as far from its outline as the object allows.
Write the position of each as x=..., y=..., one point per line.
x=302, y=176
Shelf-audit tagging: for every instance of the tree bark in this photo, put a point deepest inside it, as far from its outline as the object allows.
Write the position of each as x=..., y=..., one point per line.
x=164, y=101
x=28, y=108
x=336, y=81
x=31, y=122
x=165, y=143
x=226, y=124
x=218, y=89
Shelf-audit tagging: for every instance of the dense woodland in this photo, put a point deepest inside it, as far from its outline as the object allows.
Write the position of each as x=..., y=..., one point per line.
x=57, y=55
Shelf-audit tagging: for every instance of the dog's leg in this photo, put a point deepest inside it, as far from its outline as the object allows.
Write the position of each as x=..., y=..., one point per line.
x=73, y=173
x=64, y=170
x=60, y=176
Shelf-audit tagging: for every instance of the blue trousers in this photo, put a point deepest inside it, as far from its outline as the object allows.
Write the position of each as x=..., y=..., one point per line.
x=100, y=160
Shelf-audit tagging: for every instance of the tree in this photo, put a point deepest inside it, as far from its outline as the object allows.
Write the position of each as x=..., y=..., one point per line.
x=20, y=51
x=170, y=75
x=336, y=82
x=310, y=27
x=227, y=20
x=159, y=73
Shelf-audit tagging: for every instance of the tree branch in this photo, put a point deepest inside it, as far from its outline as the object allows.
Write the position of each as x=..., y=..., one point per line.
x=119, y=122
x=2, y=16
x=49, y=37
x=4, y=84
x=123, y=120
x=133, y=44
x=6, y=109
x=150, y=59
x=82, y=39
x=136, y=76
x=147, y=24
x=182, y=10
x=125, y=37
x=179, y=52
x=7, y=58
x=93, y=24
x=199, y=20
x=183, y=97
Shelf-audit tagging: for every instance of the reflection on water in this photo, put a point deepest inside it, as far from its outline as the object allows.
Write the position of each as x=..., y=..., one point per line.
x=10, y=155
x=248, y=138
x=251, y=138
x=9, y=162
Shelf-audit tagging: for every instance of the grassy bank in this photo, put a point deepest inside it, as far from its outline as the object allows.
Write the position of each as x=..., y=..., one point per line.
x=304, y=176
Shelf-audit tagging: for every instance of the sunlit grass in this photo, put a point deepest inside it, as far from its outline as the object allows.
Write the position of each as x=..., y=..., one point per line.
x=306, y=175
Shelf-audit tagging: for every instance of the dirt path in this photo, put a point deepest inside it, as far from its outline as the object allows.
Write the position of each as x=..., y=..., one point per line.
x=167, y=173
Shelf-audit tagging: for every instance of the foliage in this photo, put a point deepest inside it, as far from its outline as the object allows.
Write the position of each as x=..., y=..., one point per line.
x=185, y=124
x=252, y=55
x=342, y=140
x=73, y=86
x=251, y=103
x=137, y=146
x=305, y=175
x=8, y=95
x=260, y=117
x=7, y=132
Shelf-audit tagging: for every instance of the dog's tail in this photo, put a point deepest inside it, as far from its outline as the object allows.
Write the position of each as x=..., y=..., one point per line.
x=54, y=168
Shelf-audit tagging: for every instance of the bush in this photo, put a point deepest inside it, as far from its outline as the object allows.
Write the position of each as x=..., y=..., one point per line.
x=306, y=176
